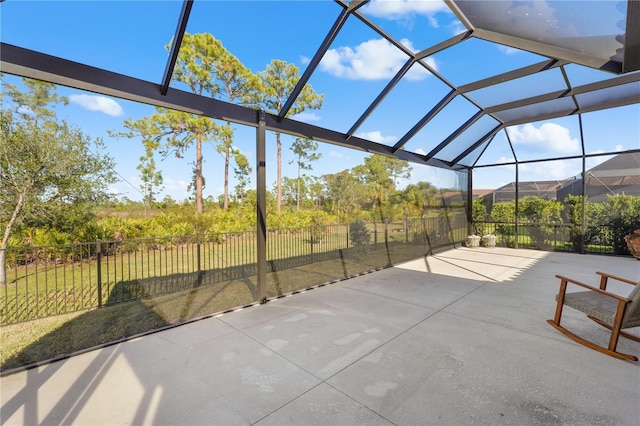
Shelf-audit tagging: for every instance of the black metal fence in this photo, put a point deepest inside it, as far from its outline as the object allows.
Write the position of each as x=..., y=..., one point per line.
x=51, y=280
x=597, y=239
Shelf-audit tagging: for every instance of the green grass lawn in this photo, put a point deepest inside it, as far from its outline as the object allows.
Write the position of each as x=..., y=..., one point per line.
x=53, y=286
x=41, y=339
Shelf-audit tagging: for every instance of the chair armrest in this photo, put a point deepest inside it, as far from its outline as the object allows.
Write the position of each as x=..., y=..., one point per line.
x=597, y=290
x=624, y=280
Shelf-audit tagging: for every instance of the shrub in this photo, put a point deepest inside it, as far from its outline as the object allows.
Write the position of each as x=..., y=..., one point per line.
x=478, y=216
x=620, y=213
x=360, y=238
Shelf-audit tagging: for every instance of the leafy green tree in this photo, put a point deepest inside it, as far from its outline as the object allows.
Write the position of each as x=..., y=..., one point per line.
x=573, y=215
x=380, y=173
x=173, y=133
x=543, y=214
x=397, y=169
x=540, y=210
x=420, y=197
x=278, y=81
x=621, y=215
x=340, y=190
x=478, y=216
x=504, y=214
x=207, y=69
x=305, y=151
x=316, y=190
x=242, y=172
x=151, y=179
x=234, y=83
x=290, y=189
x=51, y=174
x=168, y=202
x=360, y=238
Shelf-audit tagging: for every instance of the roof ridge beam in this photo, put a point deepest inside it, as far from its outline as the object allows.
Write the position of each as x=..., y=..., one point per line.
x=558, y=94
x=443, y=45
x=604, y=84
x=511, y=75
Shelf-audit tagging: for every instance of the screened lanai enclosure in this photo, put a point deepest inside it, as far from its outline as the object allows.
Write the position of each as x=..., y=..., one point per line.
x=492, y=109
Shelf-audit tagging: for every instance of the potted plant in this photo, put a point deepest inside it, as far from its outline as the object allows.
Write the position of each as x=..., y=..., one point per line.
x=489, y=240
x=633, y=243
x=473, y=240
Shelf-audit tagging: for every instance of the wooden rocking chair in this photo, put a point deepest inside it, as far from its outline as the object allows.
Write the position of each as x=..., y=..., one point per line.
x=607, y=309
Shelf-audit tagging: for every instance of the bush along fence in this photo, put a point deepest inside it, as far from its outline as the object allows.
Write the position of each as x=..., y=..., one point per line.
x=597, y=239
x=52, y=280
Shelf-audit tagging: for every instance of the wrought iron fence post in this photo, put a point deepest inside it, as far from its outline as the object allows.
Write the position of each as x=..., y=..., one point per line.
x=312, y=240
x=386, y=234
x=346, y=246
x=346, y=226
x=198, y=253
x=99, y=269
x=375, y=235
x=406, y=229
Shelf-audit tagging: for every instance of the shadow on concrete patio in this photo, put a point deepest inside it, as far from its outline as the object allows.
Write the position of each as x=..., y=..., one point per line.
x=456, y=338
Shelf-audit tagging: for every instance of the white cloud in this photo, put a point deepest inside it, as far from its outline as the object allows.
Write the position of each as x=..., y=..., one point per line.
x=457, y=27
x=405, y=10
x=493, y=177
x=304, y=60
x=24, y=110
x=177, y=188
x=306, y=117
x=507, y=50
x=420, y=151
x=548, y=137
x=336, y=154
x=591, y=162
x=372, y=60
x=113, y=190
x=548, y=170
x=377, y=137
x=98, y=103
x=504, y=159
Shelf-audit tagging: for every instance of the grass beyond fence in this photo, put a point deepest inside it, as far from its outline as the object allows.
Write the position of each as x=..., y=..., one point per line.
x=46, y=281
x=45, y=338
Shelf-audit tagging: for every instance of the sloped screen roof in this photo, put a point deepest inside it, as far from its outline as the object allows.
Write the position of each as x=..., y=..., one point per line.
x=450, y=114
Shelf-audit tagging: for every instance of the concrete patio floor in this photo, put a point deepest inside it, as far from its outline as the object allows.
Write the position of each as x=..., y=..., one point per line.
x=456, y=338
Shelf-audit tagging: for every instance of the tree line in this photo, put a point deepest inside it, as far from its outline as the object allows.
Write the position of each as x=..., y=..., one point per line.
x=54, y=179
x=206, y=68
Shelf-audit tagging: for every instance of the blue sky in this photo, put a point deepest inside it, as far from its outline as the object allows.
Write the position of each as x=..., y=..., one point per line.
x=130, y=37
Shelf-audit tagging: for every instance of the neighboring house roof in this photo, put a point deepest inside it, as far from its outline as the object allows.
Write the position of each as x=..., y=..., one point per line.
x=479, y=193
x=620, y=165
x=618, y=175
x=542, y=186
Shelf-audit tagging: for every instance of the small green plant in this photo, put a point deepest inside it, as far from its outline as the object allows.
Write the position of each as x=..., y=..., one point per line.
x=318, y=222
x=478, y=216
x=360, y=237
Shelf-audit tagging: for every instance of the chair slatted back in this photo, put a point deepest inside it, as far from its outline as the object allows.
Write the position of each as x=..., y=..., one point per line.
x=632, y=314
